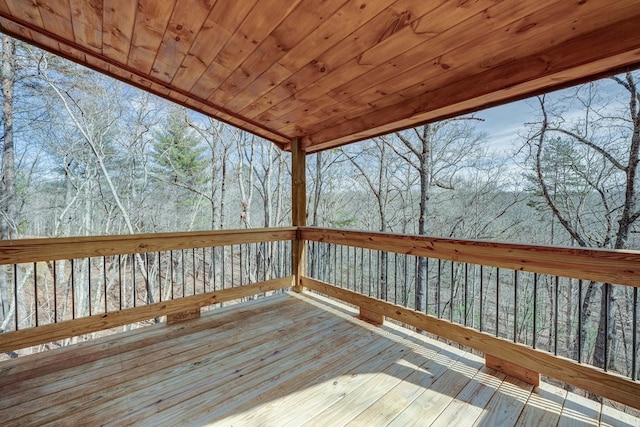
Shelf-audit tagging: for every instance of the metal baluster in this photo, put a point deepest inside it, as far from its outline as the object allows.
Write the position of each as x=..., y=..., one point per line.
x=535, y=309
x=120, y=279
x=55, y=293
x=183, y=272
x=204, y=270
x=451, y=294
x=481, y=302
x=515, y=305
x=240, y=275
x=555, y=319
x=171, y=273
x=193, y=269
x=426, y=282
x=466, y=292
x=607, y=293
x=73, y=290
x=634, y=345
x=35, y=290
x=89, y=283
x=395, y=279
x=439, y=288
x=15, y=292
x=133, y=276
x=580, y=321
x=497, y=300
x=104, y=281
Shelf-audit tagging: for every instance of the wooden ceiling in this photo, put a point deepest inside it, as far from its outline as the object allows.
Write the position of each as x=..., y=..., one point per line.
x=333, y=71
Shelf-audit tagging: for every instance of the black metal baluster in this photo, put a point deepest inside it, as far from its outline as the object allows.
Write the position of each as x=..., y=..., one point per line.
x=395, y=279
x=481, y=302
x=55, y=293
x=439, y=288
x=466, y=292
x=171, y=273
x=183, y=272
x=193, y=269
x=555, y=318
x=133, y=276
x=35, y=290
x=15, y=292
x=73, y=290
x=89, y=283
x=497, y=300
x=634, y=345
x=241, y=273
x=515, y=305
x=580, y=321
x=120, y=280
x=451, y=293
x=607, y=293
x=535, y=309
x=426, y=281
x=104, y=281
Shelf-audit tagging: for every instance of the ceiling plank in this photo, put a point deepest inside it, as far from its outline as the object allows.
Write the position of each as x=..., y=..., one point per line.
x=419, y=57
x=301, y=22
x=222, y=22
x=577, y=59
x=86, y=18
x=272, y=86
x=260, y=22
x=117, y=29
x=527, y=35
x=185, y=23
x=341, y=63
x=151, y=22
x=56, y=18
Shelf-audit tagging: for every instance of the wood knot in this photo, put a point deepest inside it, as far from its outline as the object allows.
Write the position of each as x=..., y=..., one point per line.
x=398, y=23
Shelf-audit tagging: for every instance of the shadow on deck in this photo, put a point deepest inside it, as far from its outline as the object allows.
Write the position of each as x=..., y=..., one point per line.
x=288, y=359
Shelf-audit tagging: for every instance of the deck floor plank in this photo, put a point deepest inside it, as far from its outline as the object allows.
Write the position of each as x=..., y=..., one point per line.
x=579, y=411
x=14, y=370
x=288, y=359
x=507, y=403
x=323, y=390
x=176, y=382
x=45, y=387
x=332, y=356
x=428, y=405
x=396, y=399
x=469, y=404
x=82, y=381
x=543, y=407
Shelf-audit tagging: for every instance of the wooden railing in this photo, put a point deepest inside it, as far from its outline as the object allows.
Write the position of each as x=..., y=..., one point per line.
x=530, y=309
x=54, y=289
x=508, y=301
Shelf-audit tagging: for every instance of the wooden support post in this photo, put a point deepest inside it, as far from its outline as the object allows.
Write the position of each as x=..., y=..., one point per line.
x=371, y=317
x=527, y=375
x=183, y=315
x=298, y=209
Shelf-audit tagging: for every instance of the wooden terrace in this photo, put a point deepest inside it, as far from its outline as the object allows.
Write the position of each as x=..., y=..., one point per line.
x=310, y=76
x=286, y=359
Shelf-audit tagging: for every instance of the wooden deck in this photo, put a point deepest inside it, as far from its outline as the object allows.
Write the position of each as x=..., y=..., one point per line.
x=285, y=360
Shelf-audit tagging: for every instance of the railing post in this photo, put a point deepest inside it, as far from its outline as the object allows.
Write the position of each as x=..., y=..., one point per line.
x=298, y=209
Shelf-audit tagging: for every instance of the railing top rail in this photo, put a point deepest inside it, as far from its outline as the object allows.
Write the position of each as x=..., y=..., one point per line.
x=49, y=249
x=601, y=265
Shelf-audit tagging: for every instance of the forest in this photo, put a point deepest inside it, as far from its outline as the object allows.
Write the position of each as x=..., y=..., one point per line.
x=86, y=155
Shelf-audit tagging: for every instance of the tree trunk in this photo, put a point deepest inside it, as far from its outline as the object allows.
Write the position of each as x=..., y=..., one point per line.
x=424, y=172
x=8, y=201
x=9, y=194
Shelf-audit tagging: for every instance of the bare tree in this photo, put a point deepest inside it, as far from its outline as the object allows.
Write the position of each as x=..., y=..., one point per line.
x=595, y=142
x=438, y=152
